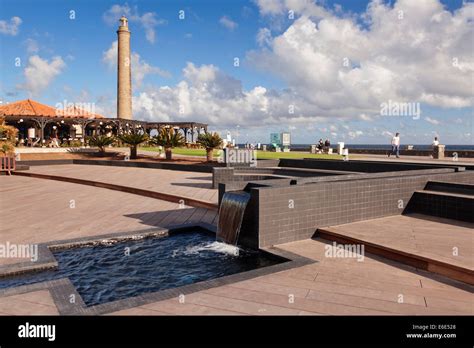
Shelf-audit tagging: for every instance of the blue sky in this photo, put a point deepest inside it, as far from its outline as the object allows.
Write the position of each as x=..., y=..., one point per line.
x=284, y=63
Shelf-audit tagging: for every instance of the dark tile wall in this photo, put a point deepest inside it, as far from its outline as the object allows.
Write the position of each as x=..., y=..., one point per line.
x=221, y=175
x=332, y=203
x=357, y=165
x=462, y=189
x=457, y=207
x=233, y=174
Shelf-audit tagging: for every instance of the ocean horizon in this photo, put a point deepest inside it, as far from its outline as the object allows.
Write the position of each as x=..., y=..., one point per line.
x=384, y=146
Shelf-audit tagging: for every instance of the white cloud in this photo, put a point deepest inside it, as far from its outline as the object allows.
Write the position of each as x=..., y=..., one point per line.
x=270, y=7
x=355, y=134
x=365, y=117
x=264, y=37
x=206, y=94
x=425, y=57
x=109, y=57
x=408, y=61
x=31, y=46
x=228, y=23
x=10, y=28
x=147, y=20
x=432, y=121
x=209, y=95
x=140, y=68
x=39, y=73
x=279, y=7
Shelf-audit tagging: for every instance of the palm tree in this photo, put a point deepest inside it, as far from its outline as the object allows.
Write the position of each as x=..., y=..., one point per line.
x=6, y=148
x=133, y=140
x=101, y=141
x=168, y=138
x=209, y=141
x=7, y=138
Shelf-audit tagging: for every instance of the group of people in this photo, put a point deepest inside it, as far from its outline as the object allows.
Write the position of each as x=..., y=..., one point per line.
x=324, y=145
x=396, y=145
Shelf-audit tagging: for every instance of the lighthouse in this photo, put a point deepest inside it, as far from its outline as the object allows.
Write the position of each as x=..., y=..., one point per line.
x=124, y=72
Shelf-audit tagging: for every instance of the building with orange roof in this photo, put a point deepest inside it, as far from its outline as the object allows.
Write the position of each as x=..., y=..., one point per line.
x=38, y=123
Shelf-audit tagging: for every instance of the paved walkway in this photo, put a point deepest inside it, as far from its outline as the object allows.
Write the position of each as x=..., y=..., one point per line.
x=427, y=236
x=32, y=303
x=333, y=286
x=38, y=210
x=187, y=184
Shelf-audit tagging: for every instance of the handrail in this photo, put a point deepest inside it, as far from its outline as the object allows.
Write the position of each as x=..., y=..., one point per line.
x=7, y=164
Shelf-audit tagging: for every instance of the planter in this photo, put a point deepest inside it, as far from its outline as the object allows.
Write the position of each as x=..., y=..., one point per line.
x=133, y=152
x=168, y=153
x=209, y=154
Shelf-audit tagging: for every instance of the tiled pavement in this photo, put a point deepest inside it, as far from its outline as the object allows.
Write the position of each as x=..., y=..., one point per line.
x=331, y=286
x=432, y=237
x=38, y=210
x=188, y=184
x=32, y=303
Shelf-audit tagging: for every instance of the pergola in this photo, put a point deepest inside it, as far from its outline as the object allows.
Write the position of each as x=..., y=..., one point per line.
x=189, y=128
x=29, y=113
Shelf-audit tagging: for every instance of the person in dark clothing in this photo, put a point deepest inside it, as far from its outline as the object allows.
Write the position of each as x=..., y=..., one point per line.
x=320, y=144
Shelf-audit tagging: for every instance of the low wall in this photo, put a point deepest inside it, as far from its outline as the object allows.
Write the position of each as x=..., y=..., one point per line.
x=403, y=151
x=294, y=212
x=115, y=163
x=46, y=162
x=153, y=165
x=229, y=175
x=426, y=153
x=357, y=165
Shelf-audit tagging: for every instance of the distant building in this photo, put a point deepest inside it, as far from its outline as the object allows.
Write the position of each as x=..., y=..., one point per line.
x=37, y=122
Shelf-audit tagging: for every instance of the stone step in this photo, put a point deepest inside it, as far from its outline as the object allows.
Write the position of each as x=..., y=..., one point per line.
x=188, y=201
x=449, y=205
x=448, y=187
x=417, y=260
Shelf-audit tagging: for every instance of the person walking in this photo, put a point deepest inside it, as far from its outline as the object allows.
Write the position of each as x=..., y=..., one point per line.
x=395, y=146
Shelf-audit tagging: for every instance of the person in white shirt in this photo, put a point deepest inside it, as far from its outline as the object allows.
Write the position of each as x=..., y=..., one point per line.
x=435, y=141
x=395, y=146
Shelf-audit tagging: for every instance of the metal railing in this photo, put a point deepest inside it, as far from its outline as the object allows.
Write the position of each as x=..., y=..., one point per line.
x=7, y=164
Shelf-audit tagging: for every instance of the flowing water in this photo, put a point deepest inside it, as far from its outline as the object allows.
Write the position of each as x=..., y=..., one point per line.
x=231, y=214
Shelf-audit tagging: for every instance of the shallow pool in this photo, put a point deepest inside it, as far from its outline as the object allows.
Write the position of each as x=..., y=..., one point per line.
x=109, y=272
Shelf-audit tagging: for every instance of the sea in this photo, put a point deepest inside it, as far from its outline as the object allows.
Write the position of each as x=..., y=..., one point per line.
x=305, y=147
